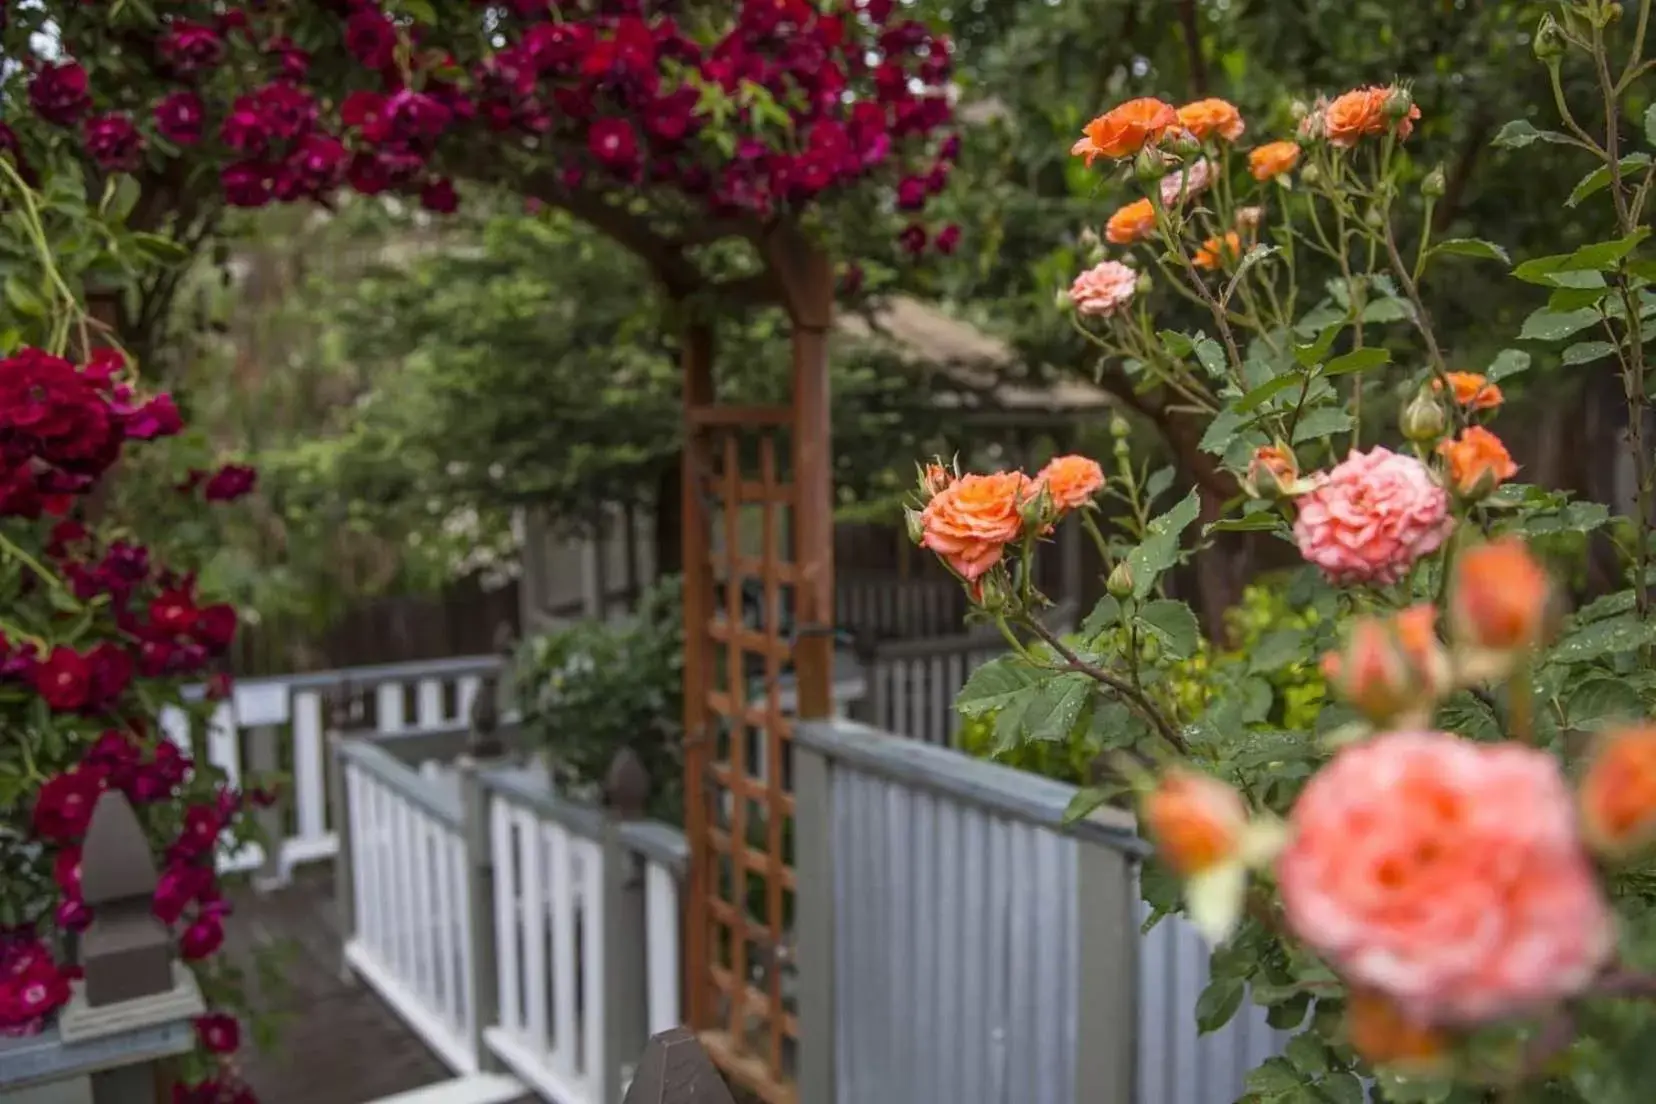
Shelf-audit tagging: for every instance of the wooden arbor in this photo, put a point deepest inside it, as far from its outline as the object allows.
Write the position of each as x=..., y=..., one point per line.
x=758, y=517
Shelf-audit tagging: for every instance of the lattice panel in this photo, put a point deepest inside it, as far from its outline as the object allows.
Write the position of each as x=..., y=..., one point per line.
x=741, y=902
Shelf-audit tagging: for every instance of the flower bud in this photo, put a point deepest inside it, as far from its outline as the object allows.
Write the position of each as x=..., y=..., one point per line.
x=1151, y=165
x=1120, y=428
x=1618, y=793
x=1424, y=419
x=1435, y=184
x=1476, y=463
x=990, y=593
x=1392, y=670
x=1375, y=218
x=1378, y=1030
x=916, y=527
x=1145, y=284
x=1063, y=301
x=934, y=477
x=1092, y=249
x=1549, y=42
x=1613, y=13
x=1195, y=821
x=1272, y=473
x=1399, y=103
x=1182, y=144
x=1310, y=175
x=1120, y=582
x=1497, y=606
x=1037, y=510
x=1298, y=110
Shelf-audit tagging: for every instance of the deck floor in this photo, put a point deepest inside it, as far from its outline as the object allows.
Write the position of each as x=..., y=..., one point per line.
x=336, y=1041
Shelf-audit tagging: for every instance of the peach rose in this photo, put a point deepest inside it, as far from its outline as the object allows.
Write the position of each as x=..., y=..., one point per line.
x=1212, y=118
x=1273, y=159
x=1070, y=481
x=1378, y=1030
x=1499, y=598
x=1371, y=517
x=1618, y=793
x=1124, y=130
x=1447, y=876
x=1391, y=668
x=1187, y=183
x=1471, y=390
x=1104, y=289
x=1195, y=821
x=970, y=522
x=1365, y=111
x=1217, y=252
x=1477, y=461
x=1132, y=223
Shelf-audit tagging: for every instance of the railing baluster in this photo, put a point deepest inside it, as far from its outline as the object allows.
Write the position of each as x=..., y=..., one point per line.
x=662, y=947
x=531, y=840
x=565, y=1035
x=506, y=915
x=593, y=1018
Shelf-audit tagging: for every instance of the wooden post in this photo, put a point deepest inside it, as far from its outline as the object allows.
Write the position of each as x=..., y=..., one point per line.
x=339, y=811
x=698, y=607
x=676, y=1070
x=1107, y=1008
x=814, y=937
x=483, y=999
x=626, y=982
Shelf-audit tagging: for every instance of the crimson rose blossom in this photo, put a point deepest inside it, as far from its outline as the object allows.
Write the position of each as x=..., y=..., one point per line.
x=179, y=118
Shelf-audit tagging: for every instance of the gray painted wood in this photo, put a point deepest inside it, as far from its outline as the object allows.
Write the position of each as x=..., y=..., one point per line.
x=814, y=926
x=1107, y=1000
x=432, y=798
x=38, y=1059
x=483, y=1001
x=626, y=1023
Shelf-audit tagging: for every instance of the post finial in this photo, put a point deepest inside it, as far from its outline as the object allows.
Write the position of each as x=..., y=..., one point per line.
x=627, y=784
x=675, y=1069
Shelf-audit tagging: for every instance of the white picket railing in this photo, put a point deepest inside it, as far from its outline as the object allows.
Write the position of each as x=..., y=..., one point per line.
x=412, y=938
x=290, y=710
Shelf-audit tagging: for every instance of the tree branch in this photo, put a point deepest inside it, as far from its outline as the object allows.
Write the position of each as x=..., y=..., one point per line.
x=1130, y=693
x=1191, y=25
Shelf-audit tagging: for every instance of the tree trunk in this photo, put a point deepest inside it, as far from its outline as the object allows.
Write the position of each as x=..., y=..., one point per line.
x=669, y=519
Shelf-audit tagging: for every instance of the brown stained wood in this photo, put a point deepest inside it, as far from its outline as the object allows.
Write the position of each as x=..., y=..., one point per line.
x=746, y=1070
x=698, y=602
x=676, y=1069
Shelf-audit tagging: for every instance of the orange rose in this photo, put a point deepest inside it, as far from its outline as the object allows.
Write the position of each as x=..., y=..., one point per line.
x=1365, y=111
x=1207, y=118
x=970, y=522
x=1273, y=159
x=1124, y=130
x=1391, y=668
x=1216, y=252
x=1499, y=600
x=1378, y=1030
x=1618, y=793
x=1196, y=821
x=1471, y=390
x=1132, y=223
x=1070, y=481
x=1478, y=462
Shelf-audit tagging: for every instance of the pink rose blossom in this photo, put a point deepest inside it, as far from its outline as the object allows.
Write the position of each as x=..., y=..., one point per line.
x=1447, y=875
x=1186, y=184
x=1371, y=517
x=1103, y=290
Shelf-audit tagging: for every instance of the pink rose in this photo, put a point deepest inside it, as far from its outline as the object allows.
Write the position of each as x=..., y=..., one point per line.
x=1104, y=289
x=1186, y=184
x=1447, y=875
x=1371, y=517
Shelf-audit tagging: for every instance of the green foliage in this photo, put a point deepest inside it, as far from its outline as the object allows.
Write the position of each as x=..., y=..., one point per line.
x=591, y=689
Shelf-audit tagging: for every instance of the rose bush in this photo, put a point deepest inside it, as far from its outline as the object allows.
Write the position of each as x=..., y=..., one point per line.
x=101, y=630
x=1443, y=878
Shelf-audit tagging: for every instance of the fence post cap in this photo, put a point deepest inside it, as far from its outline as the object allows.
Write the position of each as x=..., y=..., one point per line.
x=675, y=1069
x=627, y=784
x=126, y=952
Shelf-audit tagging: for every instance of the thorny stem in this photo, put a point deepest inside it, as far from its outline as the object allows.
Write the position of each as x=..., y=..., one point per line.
x=1128, y=692
x=1422, y=318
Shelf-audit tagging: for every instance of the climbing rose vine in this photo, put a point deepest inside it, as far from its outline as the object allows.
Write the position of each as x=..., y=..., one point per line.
x=1444, y=882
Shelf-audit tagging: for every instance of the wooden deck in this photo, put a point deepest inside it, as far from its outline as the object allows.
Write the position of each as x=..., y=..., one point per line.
x=336, y=1042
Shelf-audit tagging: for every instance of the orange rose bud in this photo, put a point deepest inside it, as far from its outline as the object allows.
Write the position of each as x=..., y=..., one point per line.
x=1132, y=223
x=1499, y=599
x=933, y=478
x=1273, y=159
x=1477, y=462
x=1125, y=130
x=1196, y=822
x=1272, y=473
x=1378, y=1030
x=1217, y=252
x=1471, y=390
x=1391, y=668
x=1618, y=793
x=1213, y=118
x=1071, y=481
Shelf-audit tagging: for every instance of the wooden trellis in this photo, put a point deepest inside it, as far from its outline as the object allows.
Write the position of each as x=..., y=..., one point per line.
x=758, y=508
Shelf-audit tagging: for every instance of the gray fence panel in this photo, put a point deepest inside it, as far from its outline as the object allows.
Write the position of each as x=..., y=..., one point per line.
x=956, y=958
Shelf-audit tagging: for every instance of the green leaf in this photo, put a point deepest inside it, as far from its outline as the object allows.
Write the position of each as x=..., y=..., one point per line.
x=1288, y=1014
x=1600, y=701
x=1252, y=523
x=1342, y=1088
x=1603, y=256
x=1308, y=1054
x=1650, y=124
x=1325, y=421
x=1221, y=432
x=1218, y=1003
x=1159, y=886
x=1273, y=1078
x=1086, y=800
x=1211, y=356
x=1265, y=391
x=1046, y=712
x=1472, y=247
x=1173, y=625
x=995, y=685
x=160, y=248
x=1104, y=616
x=1176, y=343
x=1599, y=179
x=1519, y=133
x=1312, y=354
x=1546, y=325
x=1585, y=352
x=1160, y=549
x=1507, y=362
x=1402, y=1089
x=1275, y=649
x=1386, y=310
x=1358, y=360
x=1614, y=636
x=24, y=299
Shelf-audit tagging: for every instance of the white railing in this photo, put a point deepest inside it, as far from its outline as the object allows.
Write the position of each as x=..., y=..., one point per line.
x=411, y=937
x=279, y=724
